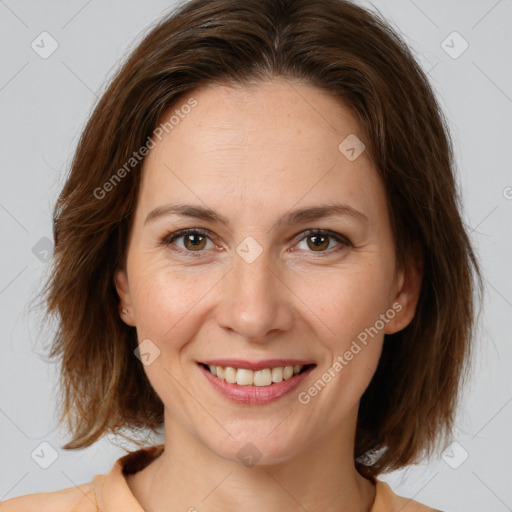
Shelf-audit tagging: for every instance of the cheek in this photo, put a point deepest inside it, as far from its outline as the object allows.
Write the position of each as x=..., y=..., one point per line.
x=348, y=304
x=163, y=297
x=166, y=302
x=345, y=301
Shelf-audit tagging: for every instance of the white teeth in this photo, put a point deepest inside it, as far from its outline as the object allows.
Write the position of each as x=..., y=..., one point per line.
x=230, y=375
x=263, y=377
x=287, y=372
x=244, y=377
x=277, y=374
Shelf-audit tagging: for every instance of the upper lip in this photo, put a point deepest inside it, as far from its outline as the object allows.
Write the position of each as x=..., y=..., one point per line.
x=256, y=365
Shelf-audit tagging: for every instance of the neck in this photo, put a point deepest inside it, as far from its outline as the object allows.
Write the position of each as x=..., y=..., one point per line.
x=189, y=476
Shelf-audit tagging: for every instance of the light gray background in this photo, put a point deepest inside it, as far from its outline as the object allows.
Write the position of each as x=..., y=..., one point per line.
x=44, y=104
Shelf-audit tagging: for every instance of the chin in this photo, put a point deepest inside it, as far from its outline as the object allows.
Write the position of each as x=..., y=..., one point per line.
x=255, y=448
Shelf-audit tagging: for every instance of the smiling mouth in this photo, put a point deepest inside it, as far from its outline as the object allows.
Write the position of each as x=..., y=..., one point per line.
x=259, y=378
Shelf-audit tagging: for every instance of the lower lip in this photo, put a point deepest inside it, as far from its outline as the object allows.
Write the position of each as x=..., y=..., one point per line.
x=256, y=395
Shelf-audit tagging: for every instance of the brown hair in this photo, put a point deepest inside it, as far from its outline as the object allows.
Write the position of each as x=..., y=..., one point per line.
x=361, y=61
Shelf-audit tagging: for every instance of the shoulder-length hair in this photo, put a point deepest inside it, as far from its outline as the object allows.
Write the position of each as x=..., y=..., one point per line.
x=361, y=61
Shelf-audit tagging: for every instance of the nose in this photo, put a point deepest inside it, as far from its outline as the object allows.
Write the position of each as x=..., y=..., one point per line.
x=255, y=302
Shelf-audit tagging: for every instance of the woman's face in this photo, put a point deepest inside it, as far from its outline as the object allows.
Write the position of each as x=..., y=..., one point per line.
x=255, y=290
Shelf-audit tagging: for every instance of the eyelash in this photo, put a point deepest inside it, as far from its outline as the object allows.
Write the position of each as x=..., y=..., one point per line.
x=167, y=241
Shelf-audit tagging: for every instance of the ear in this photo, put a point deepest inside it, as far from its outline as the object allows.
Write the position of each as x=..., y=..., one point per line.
x=409, y=279
x=123, y=292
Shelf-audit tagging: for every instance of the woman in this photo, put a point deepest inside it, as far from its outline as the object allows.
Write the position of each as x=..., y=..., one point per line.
x=259, y=248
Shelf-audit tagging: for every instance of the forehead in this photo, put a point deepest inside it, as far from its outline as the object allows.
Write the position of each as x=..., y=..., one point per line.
x=267, y=143
x=280, y=113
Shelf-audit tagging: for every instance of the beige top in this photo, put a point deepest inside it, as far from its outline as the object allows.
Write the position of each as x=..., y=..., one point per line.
x=111, y=493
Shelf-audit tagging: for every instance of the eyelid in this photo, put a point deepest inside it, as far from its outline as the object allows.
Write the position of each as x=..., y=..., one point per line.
x=325, y=232
x=169, y=239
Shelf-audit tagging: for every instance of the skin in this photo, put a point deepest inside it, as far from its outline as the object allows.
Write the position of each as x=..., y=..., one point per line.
x=252, y=154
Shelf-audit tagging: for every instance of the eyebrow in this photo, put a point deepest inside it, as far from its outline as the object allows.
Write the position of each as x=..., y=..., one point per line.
x=292, y=217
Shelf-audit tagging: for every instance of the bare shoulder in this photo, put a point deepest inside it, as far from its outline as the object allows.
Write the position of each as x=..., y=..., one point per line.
x=71, y=499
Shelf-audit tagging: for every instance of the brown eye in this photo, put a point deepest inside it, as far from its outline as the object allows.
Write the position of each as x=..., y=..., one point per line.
x=191, y=242
x=194, y=242
x=318, y=242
